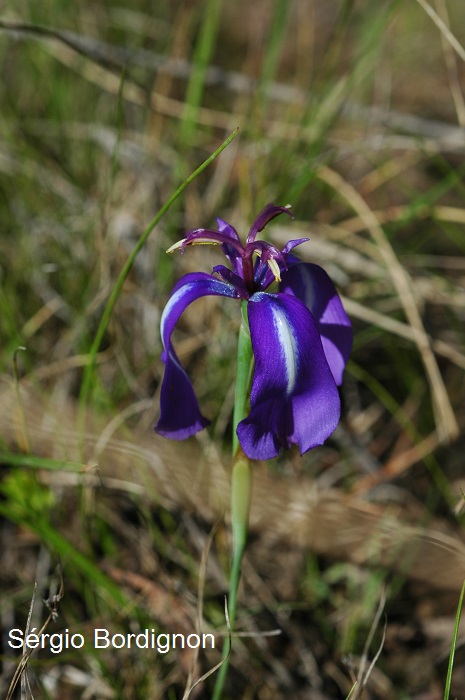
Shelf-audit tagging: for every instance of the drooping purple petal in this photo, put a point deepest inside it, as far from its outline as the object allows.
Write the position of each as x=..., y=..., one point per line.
x=311, y=284
x=294, y=398
x=180, y=415
x=265, y=216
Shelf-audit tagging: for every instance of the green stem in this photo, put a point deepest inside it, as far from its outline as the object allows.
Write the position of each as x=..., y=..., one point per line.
x=116, y=291
x=241, y=488
x=243, y=372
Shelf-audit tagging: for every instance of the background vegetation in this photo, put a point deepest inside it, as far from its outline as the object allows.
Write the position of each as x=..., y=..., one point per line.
x=352, y=111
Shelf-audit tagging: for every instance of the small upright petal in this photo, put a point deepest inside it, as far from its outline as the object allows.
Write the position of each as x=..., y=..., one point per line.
x=290, y=245
x=294, y=399
x=311, y=284
x=232, y=251
x=228, y=230
x=266, y=215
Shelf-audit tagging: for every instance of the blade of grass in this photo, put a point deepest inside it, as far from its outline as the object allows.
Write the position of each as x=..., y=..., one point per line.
x=34, y=462
x=454, y=644
x=202, y=55
x=274, y=47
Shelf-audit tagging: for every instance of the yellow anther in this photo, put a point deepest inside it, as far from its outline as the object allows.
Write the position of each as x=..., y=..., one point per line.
x=176, y=246
x=194, y=241
x=274, y=267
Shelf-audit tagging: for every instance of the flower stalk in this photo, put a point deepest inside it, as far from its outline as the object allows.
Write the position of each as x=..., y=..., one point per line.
x=241, y=487
x=243, y=376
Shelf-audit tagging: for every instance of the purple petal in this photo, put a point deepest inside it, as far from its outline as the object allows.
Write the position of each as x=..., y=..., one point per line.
x=311, y=284
x=265, y=216
x=263, y=275
x=227, y=229
x=180, y=414
x=266, y=250
x=293, y=244
x=294, y=399
x=233, y=279
x=233, y=252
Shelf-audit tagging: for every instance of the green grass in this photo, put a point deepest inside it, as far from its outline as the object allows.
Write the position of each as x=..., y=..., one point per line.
x=105, y=160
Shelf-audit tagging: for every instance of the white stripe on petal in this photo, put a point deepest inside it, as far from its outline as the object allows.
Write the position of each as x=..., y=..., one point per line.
x=172, y=301
x=288, y=347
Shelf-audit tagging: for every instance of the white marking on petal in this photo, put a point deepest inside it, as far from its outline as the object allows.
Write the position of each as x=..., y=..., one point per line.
x=172, y=301
x=288, y=347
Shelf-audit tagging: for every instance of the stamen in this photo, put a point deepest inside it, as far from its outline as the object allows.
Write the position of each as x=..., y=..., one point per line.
x=176, y=246
x=195, y=241
x=274, y=267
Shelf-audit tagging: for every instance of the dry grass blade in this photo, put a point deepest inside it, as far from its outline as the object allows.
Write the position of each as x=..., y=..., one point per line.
x=395, y=213
x=398, y=464
x=202, y=575
x=445, y=419
x=20, y=673
x=443, y=28
x=362, y=677
x=220, y=663
x=392, y=325
x=451, y=63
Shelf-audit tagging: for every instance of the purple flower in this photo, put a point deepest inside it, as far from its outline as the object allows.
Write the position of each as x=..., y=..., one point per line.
x=301, y=340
